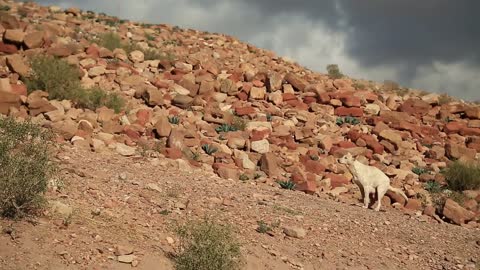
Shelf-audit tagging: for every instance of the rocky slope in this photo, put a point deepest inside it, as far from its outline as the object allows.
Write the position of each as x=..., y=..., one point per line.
x=243, y=112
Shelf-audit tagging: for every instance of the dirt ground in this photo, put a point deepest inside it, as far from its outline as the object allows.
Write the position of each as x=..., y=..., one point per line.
x=137, y=202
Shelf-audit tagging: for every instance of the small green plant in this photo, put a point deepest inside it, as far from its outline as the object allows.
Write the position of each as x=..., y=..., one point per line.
x=269, y=117
x=314, y=157
x=174, y=120
x=209, y=149
x=444, y=99
x=243, y=177
x=334, y=71
x=462, y=176
x=257, y=176
x=207, y=245
x=419, y=170
x=5, y=8
x=109, y=40
x=26, y=166
x=225, y=128
x=433, y=187
x=263, y=227
x=165, y=212
x=347, y=120
x=287, y=184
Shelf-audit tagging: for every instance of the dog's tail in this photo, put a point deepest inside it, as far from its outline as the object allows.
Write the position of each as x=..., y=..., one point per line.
x=399, y=192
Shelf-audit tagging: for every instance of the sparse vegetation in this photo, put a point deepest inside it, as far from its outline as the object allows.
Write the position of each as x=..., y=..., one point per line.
x=358, y=86
x=462, y=176
x=433, y=187
x=209, y=149
x=61, y=81
x=347, y=120
x=263, y=227
x=207, y=245
x=239, y=123
x=243, y=177
x=5, y=8
x=334, y=71
x=225, y=128
x=419, y=170
x=174, y=120
x=287, y=184
x=26, y=167
x=444, y=99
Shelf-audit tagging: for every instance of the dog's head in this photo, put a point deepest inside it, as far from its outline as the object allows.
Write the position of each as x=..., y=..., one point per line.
x=346, y=159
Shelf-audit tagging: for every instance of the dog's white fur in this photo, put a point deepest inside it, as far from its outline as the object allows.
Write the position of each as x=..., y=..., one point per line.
x=369, y=179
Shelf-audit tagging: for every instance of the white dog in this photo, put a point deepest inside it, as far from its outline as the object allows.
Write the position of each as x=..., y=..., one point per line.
x=369, y=179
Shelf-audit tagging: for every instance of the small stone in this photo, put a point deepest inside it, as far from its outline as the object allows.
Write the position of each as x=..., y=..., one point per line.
x=125, y=150
x=170, y=240
x=126, y=258
x=123, y=250
x=154, y=187
x=295, y=232
x=262, y=146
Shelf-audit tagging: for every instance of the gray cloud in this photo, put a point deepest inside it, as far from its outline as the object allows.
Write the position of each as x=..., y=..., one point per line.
x=428, y=44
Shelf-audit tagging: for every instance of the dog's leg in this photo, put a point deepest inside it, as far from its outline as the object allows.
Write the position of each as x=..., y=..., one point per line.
x=366, y=197
x=381, y=192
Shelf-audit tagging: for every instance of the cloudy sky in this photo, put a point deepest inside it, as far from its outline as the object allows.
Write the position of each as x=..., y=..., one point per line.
x=432, y=45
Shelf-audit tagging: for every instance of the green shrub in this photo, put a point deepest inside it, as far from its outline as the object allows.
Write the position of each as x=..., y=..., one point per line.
x=334, y=71
x=174, y=120
x=462, y=176
x=5, y=8
x=207, y=245
x=62, y=81
x=225, y=128
x=263, y=227
x=347, y=120
x=25, y=167
x=109, y=40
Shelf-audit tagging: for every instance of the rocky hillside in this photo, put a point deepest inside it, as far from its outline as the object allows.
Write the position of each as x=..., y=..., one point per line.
x=226, y=106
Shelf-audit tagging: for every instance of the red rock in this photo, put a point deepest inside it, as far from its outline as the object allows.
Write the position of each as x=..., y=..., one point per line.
x=242, y=96
x=324, y=98
x=19, y=89
x=373, y=144
x=258, y=135
x=314, y=166
x=337, y=180
x=414, y=204
x=298, y=83
x=288, y=97
x=131, y=133
x=354, y=135
x=298, y=104
x=351, y=101
x=344, y=111
x=453, y=127
x=143, y=117
x=269, y=164
x=415, y=106
x=466, y=131
x=473, y=112
x=429, y=211
x=395, y=117
x=309, y=187
x=388, y=146
x=298, y=177
x=93, y=51
x=456, y=151
x=173, y=153
x=244, y=111
x=346, y=144
x=8, y=48
x=309, y=100
x=456, y=213
x=395, y=197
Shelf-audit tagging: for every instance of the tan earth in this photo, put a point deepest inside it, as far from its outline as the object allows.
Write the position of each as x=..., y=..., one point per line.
x=118, y=201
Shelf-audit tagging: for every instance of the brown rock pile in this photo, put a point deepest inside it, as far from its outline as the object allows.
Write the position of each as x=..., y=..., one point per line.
x=242, y=111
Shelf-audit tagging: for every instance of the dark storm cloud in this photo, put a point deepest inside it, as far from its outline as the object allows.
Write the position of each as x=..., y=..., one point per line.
x=429, y=44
